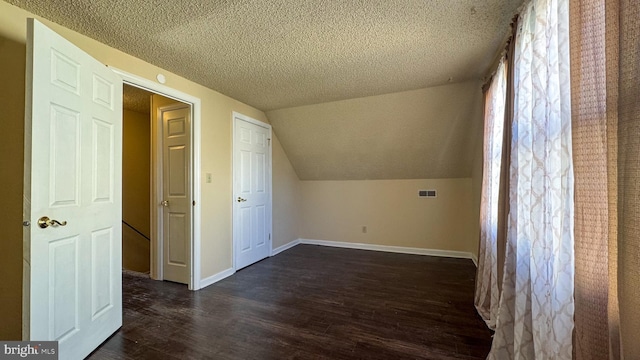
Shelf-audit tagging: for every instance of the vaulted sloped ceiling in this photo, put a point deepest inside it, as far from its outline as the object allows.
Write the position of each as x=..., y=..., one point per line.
x=419, y=134
x=319, y=67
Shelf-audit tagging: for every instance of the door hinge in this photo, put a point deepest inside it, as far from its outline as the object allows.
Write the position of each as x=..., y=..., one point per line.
x=269, y=142
x=269, y=237
x=194, y=203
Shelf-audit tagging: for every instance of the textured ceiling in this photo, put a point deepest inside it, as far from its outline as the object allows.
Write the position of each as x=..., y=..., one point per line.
x=136, y=99
x=419, y=134
x=283, y=53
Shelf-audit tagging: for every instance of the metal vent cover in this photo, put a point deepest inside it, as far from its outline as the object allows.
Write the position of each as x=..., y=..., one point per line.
x=427, y=193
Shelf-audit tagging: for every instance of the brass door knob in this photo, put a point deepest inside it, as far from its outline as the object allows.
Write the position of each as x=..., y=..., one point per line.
x=45, y=222
x=165, y=203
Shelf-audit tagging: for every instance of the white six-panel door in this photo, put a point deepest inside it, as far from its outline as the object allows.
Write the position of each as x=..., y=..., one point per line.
x=252, y=191
x=73, y=150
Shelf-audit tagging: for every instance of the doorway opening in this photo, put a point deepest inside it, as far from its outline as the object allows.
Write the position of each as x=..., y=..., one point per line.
x=160, y=192
x=136, y=179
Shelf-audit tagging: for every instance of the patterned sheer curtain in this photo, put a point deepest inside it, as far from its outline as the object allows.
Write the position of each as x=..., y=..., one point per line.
x=535, y=316
x=486, y=292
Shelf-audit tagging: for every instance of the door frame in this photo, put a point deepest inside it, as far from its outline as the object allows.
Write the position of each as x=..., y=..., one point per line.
x=196, y=114
x=236, y=116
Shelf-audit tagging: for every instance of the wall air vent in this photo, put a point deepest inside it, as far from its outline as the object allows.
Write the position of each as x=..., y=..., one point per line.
x=427, y=193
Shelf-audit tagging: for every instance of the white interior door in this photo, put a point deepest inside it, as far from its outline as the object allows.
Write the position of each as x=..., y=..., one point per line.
x=73, y=150
x=252, y=189
x=176, y=184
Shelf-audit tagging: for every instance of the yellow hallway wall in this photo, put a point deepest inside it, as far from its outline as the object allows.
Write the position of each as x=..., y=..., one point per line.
x=136, y=187
x=136, y=169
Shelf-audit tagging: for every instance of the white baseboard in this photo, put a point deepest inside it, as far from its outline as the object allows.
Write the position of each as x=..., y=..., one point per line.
x=474, y=258
x=393, y=249
x=284, y=247
x=216, y=277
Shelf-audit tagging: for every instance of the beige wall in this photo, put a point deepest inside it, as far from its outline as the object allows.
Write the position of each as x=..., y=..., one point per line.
x=136, y=187
x=216, y=134
x=12, y=63
x=286, y=198
x=392, y=211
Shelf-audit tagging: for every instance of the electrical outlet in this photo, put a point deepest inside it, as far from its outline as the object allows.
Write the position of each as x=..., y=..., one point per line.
x=208, y=177
x=364, y=229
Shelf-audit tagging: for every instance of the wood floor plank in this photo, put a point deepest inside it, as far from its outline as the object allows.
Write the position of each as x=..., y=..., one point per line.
x=309, y=302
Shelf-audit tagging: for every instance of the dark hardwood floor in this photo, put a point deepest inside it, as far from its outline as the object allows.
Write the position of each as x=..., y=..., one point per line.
x=309, y=302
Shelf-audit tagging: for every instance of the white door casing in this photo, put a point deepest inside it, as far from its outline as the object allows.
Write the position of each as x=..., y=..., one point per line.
x=176, y=183
x=73, y=170
x=156, y=192
x=252, y=190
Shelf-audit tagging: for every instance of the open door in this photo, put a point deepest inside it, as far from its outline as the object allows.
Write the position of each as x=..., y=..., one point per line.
x=73, y=196
x=176, y=192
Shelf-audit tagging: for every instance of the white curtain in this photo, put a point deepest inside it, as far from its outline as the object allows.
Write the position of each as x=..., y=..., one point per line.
x=486, y=292
x=535, y=318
